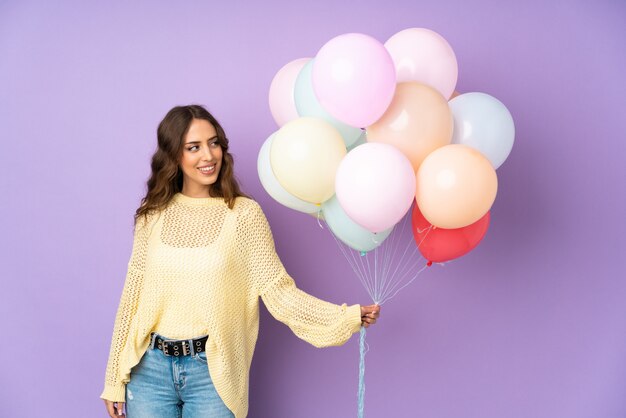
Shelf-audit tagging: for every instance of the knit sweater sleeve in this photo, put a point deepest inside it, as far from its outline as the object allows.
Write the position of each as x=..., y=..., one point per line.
x=115, y=386
x=316, y=321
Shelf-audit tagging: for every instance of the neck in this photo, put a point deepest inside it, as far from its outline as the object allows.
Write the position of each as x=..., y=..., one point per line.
x=196, y=191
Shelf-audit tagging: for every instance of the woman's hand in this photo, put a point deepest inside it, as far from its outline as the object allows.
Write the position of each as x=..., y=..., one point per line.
x=369, y=314
x=113, y=408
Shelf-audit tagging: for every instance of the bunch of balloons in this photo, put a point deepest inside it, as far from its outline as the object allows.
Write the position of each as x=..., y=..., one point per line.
x=366, y=129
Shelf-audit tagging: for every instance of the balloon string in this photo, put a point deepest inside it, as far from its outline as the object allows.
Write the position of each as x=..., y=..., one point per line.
x=403, y=269
x=357, y=266
x=382, y=278
x=396, y=239
x=386, y=298
x=401, y=263
x=392, y=269
x=363, y=348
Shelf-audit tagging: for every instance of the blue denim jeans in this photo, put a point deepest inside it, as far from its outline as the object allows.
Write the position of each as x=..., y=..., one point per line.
x=173, y=387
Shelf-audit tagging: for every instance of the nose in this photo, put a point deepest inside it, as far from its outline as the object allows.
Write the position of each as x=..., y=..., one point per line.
x=207, y=153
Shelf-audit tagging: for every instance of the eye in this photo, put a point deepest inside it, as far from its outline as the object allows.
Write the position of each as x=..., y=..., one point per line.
x=214, y=144
x=193, y=148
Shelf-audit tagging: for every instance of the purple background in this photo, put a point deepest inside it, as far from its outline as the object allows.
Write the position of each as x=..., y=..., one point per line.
x=531, y=324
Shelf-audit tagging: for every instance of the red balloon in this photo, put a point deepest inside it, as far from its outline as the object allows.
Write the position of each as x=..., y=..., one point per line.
x=439, y=245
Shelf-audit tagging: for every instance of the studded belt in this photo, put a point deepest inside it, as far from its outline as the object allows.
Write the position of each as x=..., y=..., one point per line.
x=178, y=348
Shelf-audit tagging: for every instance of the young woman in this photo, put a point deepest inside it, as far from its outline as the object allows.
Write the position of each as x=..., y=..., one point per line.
x=202, y=256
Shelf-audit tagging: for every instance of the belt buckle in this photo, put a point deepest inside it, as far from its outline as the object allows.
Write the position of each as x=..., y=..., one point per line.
x=165, y=345
x=161, y=344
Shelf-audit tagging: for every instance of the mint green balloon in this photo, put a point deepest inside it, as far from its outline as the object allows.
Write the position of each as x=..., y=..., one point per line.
x=348, y=231
x=308, y=105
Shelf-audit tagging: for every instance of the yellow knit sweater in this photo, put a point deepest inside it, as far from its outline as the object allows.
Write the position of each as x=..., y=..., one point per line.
x=199, y=268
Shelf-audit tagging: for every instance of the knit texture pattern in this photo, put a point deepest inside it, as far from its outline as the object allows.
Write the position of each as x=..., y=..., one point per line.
x=199, y=268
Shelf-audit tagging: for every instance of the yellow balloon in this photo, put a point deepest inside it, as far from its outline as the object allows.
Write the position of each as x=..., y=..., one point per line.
x=305, y=155
x=417, y=122
x=456, y=186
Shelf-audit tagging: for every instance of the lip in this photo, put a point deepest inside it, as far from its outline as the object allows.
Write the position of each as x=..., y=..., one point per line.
x=212, y=169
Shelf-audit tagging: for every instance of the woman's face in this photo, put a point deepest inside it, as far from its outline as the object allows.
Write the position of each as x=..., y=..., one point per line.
x=201, y=160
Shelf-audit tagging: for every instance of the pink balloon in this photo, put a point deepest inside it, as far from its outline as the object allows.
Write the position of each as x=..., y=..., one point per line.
x=282, y=102
x=354, y=79
x=375, y=185
x=424, y=56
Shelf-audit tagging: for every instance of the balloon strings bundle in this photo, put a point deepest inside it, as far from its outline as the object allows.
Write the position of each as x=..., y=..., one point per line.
x=363, y=348
x=390, y=267
x=384, y=271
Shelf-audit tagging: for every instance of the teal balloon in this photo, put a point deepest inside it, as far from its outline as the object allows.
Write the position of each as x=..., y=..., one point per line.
x=348, y=231
x=308, y=105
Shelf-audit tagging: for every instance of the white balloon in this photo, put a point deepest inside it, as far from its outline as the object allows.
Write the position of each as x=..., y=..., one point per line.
x=423, y=55
x=483, y=122
x=375, y=185
x=273, y=187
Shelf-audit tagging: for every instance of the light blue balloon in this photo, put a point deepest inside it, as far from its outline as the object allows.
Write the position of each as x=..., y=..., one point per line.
x=272, y=186
x=348, y=231
x=308, y=105
x=485, y=124
x=360, y=140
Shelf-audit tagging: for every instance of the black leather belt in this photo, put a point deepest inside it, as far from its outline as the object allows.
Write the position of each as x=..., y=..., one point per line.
x=179, y=348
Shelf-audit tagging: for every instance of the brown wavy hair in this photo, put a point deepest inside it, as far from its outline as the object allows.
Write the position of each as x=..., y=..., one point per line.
x=166, y=178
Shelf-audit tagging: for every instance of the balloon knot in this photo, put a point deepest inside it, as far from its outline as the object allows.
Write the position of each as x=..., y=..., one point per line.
x=363, y=253
x=430, y=263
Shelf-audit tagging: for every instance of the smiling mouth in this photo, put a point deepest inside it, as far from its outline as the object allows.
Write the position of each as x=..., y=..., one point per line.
x=210, y=169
